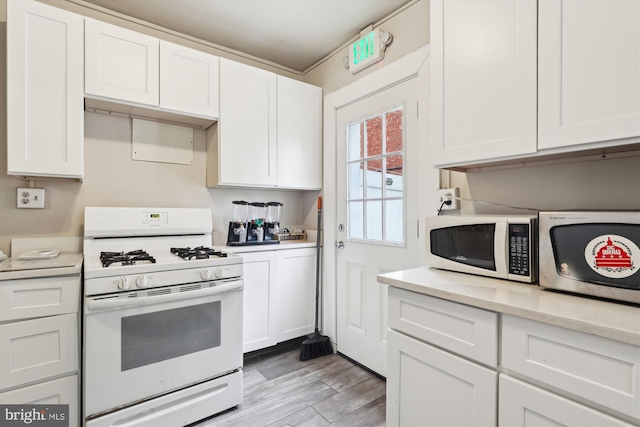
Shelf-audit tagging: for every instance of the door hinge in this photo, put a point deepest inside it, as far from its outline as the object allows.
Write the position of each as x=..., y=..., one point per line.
x=418, y=228
x=417, y=109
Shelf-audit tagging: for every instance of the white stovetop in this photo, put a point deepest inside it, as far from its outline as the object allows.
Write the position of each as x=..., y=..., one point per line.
x=610, y=320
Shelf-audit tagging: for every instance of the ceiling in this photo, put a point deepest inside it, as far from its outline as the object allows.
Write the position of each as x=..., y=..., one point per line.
x=292, y=33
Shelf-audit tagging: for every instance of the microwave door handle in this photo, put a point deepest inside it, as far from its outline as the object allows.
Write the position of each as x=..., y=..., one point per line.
x=108, y=304
x=502, y=249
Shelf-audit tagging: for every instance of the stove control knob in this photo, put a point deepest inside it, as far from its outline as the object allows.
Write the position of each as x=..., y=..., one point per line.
x=124, y=284
x=218, y=272
x=142, y=281
x=205, y=274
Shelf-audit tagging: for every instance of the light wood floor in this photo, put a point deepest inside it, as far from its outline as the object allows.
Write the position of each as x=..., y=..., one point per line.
x=280, y=390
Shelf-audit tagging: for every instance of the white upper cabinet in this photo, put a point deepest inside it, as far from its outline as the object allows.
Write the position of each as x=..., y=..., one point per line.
x=142, y=76
x=269, y=133
x=299, y=134
x=188, y=80
x=492, y=101
x=247, y=128
x=45, y=119
x=589, y=71
x=483, y=83
x=121, y=64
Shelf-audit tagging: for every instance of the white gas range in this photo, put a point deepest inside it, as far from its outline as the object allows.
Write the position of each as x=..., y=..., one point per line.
x=162, y=318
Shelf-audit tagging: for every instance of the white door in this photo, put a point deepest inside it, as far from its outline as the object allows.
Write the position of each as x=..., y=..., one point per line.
x=376, y=212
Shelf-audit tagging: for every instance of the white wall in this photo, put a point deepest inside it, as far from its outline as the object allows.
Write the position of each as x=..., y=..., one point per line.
x=410, y=30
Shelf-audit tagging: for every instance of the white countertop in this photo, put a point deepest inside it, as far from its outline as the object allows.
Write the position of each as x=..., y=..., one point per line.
x=64, y=264
x=620, y=322
x=283, y=245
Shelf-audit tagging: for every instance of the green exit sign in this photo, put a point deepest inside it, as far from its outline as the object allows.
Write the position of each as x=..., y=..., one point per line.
x=365, y=52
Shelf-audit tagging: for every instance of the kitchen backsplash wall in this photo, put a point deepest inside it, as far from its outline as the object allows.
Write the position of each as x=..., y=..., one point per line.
x=112, y=178
x=600, y=184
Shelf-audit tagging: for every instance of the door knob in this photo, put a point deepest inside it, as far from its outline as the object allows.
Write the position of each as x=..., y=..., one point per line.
x=339, y=245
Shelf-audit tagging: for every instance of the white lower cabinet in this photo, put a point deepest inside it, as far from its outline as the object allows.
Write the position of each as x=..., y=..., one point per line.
x=39, y=341
x=296, y=292
x=54, y=392
x=524, y=405
x=279, y=296
x=259, y=313
x=430, y=387
x=548, y=375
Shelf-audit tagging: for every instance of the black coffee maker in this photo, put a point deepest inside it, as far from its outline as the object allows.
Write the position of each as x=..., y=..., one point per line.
x=238, y=226
x=272, y=225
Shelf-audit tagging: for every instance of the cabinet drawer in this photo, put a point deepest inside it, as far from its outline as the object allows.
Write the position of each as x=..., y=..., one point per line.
x=523, y=405
x=33, y=350
x=50, y=296
x=55, y=392
x=596, y=369
x=468, y=331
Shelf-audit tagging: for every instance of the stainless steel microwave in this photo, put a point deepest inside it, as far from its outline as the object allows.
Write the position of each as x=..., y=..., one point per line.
x=591, y=253
x=496, y=246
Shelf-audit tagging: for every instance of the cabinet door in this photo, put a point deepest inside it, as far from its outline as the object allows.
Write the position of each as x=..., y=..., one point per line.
x=596, y=369
x=589, y=63
x=188, y=80
x=259, y=319
x=483, y=82
x=247, y=135
x=37, y=349
x=299, y=134
x=121, y=64
x=524, y=405
x=45, y=118
x=55, y=392
x=296, y=292
x=430, y=387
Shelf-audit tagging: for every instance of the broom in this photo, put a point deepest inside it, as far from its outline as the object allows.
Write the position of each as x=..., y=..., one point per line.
x=316, y=344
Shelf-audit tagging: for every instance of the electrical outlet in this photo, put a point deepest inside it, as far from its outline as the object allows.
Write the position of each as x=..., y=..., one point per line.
x=449, y=194
x=31, y=198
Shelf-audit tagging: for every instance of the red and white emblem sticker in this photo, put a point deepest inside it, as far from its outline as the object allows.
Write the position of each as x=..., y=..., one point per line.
x=612, y=256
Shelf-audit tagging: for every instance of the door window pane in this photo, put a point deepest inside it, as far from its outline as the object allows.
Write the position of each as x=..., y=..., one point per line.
x=374, y=220
x=355, y=141
x=393, y=182
x=374, y=136
x=394, y=221
x=375, y=185
x=393, y=132
x=355, y=180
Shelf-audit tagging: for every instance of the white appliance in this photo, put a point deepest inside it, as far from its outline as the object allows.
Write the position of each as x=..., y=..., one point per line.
x=501, y=246
x=162, y=318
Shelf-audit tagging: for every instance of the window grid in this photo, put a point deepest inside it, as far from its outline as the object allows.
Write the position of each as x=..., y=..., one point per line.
x=364, y=161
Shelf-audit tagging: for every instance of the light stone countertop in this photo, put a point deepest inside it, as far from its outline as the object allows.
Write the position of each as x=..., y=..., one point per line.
x=283, y=245
x=620, y=322
x=64, y=264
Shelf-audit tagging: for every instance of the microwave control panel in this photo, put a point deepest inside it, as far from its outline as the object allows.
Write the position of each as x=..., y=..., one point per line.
x=519, y=249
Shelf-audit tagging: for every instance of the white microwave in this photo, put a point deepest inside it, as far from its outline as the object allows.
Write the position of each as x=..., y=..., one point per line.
x=500, y=246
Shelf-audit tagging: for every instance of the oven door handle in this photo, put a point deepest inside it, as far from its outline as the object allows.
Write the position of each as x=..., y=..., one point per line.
x=108, y=304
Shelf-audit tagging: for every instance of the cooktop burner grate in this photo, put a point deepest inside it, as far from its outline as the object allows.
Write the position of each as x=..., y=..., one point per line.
x=125, y=258
x=200, y=252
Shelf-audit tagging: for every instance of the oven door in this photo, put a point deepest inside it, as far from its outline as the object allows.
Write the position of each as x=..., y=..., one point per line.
x=146, y=343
